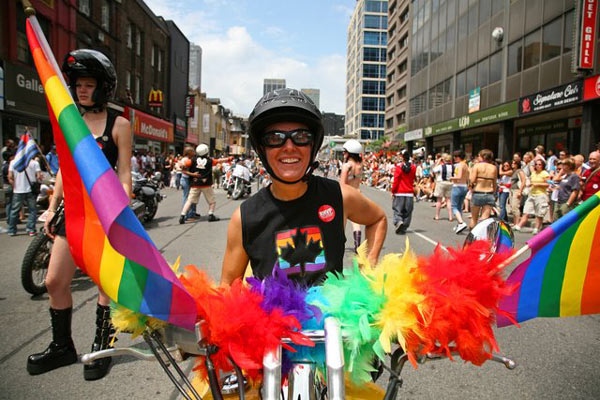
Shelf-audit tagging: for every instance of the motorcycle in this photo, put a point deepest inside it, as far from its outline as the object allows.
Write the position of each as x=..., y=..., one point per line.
x=37, y=256
x=240, y=182
x=147, y=191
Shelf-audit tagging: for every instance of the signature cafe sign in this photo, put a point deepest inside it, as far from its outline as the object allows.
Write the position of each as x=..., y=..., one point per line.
x=552, y=98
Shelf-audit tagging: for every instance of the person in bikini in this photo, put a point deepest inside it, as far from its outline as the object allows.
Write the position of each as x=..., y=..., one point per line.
x=352, y=174
x=484, y=184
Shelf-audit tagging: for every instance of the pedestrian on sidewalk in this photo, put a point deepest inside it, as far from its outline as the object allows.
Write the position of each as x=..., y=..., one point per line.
x=459, y=188
x=22, y=193
x=443, y=171
x=352, y=174
x=403, y=193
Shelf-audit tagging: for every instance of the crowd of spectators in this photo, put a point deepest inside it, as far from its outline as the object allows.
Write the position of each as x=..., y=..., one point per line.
x=526, y=191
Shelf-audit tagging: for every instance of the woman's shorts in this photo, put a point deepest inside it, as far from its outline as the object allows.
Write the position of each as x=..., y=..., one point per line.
x=480, y=199
x=443, y=189
x=536, y=205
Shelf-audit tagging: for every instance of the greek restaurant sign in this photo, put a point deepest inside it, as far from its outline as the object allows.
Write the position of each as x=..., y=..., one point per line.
x=559, y=96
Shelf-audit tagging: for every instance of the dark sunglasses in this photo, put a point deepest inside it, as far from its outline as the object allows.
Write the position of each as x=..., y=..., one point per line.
x=300, y=137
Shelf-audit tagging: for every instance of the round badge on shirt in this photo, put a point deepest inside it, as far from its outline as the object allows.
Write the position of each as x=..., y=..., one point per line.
x=326, y=213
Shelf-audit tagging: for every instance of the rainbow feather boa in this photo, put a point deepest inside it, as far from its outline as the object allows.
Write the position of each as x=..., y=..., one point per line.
x=437, y=304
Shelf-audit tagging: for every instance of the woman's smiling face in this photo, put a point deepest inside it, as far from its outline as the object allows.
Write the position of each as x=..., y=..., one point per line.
x=289, y=162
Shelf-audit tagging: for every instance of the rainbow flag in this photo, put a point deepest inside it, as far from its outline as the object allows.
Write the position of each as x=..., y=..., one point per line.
x=562, y=276
x=107, y=241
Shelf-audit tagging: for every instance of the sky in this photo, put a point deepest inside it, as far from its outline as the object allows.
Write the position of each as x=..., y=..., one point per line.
x=245, y=41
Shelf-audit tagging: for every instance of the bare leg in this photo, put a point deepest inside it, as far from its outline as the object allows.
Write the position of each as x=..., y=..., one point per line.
x=61, y=270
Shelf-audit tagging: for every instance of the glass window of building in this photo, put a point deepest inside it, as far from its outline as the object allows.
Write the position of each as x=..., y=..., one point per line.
x=461, y=80
x=568, y=33
x=373, y=103
x=495, y=67
x=373, y=87
x=497, y=6
x=375, y=22
x=483, y=72
x=463, y=26
x=450, y=37
x=375, y=38
x=451, y=10
x=105, y=16
x=84, y=7
x=376, y=6
x=473, y=20
x=130, y=36
x=531, y=56
x=485, y=8
x=471, y=77
x=551, y=39
x=515, y=57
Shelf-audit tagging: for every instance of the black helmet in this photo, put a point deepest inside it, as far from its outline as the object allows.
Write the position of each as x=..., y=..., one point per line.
x=285, y=105
x=91, y=63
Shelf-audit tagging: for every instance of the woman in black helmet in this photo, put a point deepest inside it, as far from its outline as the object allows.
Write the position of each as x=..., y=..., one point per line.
x=297, y=223
x=92, y=80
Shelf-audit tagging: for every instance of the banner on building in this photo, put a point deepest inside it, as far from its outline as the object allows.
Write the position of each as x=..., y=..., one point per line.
x=190, y=102
x=587, y=33
x=149, y=127
x=559, y=96
x=591, y=88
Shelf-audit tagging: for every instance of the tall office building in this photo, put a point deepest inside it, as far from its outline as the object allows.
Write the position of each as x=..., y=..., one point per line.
x=503, y=75
x=366, y=70
x=273, y=84
x=314, y=95
x=396, y=88
x=195, y=67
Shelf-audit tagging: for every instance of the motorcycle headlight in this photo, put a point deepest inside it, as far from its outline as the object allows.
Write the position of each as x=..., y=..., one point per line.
x=157, y=176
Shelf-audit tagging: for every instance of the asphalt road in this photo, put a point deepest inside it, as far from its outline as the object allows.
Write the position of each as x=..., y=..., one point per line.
x=557, y=358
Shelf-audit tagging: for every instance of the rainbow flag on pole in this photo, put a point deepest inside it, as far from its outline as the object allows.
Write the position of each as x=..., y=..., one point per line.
x=562, y=276
x=107, y=241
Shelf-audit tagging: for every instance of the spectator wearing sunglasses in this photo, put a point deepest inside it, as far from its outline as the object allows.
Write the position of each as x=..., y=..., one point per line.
x=537, y=202
x=296, y=224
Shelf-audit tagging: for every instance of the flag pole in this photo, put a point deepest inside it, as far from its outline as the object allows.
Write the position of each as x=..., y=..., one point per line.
x=514, y=256
x=28, y=8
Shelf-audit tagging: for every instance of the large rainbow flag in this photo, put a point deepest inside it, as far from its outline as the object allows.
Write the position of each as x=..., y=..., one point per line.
x=562, y=276
x=107, y=241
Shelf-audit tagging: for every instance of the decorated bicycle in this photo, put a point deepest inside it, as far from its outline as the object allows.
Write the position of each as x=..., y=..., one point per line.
x=325, y=341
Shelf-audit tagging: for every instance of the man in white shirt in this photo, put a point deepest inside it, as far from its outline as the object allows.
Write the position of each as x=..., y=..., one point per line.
x=21, y=183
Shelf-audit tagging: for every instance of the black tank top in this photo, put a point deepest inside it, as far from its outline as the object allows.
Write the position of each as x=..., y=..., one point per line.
x=303, y=237
x=106, y=141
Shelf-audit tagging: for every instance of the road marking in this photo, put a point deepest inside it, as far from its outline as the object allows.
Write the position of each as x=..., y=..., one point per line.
x=427, y=239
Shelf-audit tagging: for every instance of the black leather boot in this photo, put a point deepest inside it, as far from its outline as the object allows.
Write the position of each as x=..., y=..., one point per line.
x=104, y=331
x=61, y=350
x=357, y=235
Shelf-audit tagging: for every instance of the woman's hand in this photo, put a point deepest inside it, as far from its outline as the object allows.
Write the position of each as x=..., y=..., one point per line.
x=48, y=226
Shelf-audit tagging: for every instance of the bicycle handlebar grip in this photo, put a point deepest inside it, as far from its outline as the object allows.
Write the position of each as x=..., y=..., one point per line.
x=334, y=354
x=271, y=387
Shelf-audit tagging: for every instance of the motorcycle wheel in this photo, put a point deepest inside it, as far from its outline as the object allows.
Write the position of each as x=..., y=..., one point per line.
x=151, y=209
x=35, y=265
x=238, y=190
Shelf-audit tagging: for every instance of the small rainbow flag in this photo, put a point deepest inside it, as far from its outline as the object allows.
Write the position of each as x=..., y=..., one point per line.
x=107, y=241
x=562, y=276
